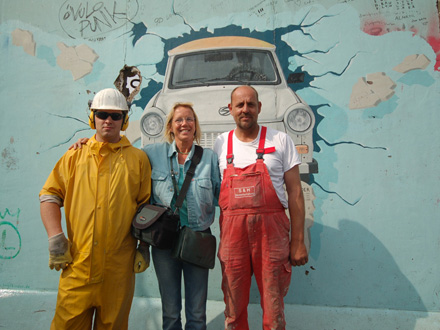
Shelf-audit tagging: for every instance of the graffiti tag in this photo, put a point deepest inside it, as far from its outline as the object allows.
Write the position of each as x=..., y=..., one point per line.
x=10, y=239
x=88, y=19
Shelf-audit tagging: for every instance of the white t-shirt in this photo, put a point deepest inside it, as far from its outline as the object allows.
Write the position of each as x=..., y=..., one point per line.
x=283, y=159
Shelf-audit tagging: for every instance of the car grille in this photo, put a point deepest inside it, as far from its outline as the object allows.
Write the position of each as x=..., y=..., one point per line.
x=208, y=139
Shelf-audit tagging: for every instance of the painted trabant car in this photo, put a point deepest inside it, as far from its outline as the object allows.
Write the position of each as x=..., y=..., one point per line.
x=205, y=71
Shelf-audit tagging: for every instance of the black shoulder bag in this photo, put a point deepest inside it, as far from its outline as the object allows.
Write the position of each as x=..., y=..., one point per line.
x=158, y=225
x=194, y=247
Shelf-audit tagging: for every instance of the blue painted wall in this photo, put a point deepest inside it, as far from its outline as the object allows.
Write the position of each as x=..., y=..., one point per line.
x=375, y=233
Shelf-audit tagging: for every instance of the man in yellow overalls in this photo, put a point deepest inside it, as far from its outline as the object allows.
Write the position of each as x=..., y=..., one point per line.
x=100, y=186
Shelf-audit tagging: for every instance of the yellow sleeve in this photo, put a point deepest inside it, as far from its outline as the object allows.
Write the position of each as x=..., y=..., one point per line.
x=145, y=182
x=56, y=183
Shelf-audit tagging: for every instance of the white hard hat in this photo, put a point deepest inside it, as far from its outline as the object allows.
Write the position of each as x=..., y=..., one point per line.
x=109, y=99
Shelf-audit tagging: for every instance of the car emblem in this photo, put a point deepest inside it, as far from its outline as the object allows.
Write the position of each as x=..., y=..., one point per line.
x=223, y=111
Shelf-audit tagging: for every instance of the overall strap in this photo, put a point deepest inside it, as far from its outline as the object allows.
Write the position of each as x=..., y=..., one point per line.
x=230, y=155
x=261, y=150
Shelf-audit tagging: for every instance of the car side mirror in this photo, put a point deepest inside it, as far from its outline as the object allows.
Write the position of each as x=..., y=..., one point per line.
x=296, y=78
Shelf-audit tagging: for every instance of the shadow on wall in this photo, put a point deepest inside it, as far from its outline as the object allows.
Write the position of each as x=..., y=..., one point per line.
x=350, y=267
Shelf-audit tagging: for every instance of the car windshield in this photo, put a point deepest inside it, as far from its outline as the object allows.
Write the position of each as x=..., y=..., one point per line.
x=227, y=67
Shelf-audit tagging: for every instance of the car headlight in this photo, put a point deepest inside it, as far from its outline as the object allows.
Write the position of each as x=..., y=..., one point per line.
x=152, y=124
x=299, y=120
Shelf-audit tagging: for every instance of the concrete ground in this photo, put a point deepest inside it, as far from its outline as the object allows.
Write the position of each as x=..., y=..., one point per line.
x=34, y=310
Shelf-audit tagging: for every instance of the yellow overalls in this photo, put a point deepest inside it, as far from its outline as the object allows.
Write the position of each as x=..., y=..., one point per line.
x=101, y=185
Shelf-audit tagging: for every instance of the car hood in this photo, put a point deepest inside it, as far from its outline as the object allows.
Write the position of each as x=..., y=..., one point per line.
x=211, y=103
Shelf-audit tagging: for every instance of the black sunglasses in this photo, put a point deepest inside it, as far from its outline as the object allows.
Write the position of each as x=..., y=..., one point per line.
x=104, y=115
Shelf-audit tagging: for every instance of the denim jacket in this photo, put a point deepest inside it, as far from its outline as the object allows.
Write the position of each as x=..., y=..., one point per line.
x=203, y=191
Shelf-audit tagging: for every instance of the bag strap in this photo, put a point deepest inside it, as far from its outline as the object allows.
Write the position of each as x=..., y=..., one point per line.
x=195, y=160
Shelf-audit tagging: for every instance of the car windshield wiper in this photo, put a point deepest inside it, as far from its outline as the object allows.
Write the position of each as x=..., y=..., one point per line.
x=227, y=79
x=218, y=79
x=199, y=80
x=242, y=82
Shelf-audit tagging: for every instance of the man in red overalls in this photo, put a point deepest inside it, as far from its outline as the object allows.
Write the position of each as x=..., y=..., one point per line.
x=256, y=163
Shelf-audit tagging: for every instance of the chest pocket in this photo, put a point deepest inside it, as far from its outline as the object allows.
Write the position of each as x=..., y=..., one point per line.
x=203, y=191
x=247, y=191
x=161, y=186
x=157, y=175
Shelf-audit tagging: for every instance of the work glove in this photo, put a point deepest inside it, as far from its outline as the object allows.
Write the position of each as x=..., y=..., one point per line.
x=142, y=258
x=59, y=252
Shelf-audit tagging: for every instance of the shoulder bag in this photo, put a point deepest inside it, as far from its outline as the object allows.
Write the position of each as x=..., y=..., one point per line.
x=158, y=225
x=194, y=247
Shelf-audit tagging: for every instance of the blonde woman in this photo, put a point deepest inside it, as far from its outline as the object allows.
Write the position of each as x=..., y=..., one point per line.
x=181, y=132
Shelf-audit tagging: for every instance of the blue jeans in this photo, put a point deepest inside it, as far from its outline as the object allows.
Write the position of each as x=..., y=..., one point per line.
x=169, y=275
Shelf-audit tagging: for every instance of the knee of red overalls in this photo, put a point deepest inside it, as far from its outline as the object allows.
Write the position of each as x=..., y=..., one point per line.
x=272, y=268
x=234, y=254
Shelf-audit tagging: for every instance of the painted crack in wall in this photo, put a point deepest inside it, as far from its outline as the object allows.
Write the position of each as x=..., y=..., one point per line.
x=175, y=12
x=128, y=82
x=73, y=134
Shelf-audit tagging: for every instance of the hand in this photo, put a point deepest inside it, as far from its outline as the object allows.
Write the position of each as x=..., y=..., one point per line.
x=78, y=144
x=142, y=258
x=298, y=254
x=59, y=252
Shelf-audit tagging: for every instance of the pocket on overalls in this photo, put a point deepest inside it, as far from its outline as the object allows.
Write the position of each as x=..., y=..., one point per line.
x=247, y=191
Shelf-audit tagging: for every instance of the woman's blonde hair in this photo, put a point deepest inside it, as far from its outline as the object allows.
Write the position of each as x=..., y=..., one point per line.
x=169, y=135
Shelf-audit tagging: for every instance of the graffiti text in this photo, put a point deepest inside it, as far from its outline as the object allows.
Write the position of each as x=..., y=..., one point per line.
x=87, y=19
x=10, y=240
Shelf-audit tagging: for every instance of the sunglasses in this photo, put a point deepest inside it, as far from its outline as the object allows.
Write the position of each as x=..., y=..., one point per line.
x=104, y=115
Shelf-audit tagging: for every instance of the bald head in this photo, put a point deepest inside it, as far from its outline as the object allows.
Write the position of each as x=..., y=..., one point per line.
x=244, y=87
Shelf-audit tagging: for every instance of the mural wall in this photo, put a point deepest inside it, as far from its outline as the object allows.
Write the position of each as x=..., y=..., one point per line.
x=368, y=70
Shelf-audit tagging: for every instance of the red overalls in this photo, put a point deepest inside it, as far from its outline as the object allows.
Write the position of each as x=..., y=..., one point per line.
x=254, y=239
